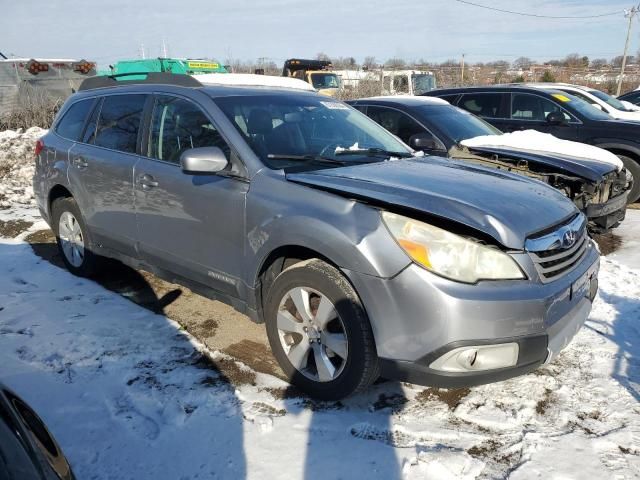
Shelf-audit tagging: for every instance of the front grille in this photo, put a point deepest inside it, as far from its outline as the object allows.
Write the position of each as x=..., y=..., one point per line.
x=551, y=258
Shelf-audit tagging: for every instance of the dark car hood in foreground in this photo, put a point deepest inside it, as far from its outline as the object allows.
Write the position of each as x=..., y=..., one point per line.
x=505, y=206
x=589, y=169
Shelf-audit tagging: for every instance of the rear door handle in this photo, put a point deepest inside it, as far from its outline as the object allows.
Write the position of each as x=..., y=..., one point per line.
x=147, y=181
x=80, y=162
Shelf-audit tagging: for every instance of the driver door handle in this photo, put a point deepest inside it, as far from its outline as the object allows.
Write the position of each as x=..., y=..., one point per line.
x=146, y=181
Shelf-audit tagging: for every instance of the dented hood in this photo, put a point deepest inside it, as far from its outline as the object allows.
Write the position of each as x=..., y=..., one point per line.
x=505, y=206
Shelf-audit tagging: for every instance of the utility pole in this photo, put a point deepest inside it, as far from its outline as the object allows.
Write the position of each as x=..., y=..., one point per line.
x=462, y=71
x=165, y=50
x=142, y=51
x=629, y=14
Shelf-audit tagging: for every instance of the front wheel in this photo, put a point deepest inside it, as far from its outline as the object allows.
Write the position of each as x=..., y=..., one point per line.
x=634, y=168
x=319, y=331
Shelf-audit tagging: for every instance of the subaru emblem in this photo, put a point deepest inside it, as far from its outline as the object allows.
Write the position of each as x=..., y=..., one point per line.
x=569, y=238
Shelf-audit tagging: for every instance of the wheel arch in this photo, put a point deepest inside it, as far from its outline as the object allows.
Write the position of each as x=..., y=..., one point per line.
x=56, y=192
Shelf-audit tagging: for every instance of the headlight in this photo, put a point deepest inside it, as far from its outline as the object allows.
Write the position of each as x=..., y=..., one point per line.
x=450, y=255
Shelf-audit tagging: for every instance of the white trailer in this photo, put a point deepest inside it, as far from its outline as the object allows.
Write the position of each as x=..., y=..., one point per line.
x=391, y=82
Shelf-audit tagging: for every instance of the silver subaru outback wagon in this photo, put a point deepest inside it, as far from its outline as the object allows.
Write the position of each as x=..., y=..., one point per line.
x=361, y=258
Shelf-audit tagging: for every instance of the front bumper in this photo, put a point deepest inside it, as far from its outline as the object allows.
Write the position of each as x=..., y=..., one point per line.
x=604, y=216
x=417, y=317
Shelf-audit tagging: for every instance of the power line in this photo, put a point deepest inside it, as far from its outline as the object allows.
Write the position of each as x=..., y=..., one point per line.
x=536, y=15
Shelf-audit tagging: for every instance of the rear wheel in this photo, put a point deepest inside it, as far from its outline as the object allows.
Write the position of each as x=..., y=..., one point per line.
x=319, y=331
x=73, y=237
x=633, y=167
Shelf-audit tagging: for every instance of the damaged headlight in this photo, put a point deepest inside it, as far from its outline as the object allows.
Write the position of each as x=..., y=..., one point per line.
x=448, y=254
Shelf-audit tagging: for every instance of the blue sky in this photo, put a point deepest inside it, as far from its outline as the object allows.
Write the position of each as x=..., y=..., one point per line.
x=431, y=29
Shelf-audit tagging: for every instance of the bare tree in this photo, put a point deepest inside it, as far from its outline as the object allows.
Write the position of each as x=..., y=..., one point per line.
x=369, y=63
x=323, y=56
x=395, y=63
x=523, y=63
x=599, y=63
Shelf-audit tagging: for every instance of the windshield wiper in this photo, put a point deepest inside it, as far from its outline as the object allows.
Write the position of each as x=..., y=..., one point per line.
x=374, y=152
x=313, y=159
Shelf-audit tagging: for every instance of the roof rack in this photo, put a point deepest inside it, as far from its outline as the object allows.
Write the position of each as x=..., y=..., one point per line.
x=157, y=78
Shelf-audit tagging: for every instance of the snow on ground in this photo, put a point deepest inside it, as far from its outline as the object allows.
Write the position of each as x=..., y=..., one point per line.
x=544, y=142
x=629, y=236
x=130, y=395
x=16, y=166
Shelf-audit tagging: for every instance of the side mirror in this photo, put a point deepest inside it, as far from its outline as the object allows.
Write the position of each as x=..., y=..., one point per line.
x=598, y=106
x=424, y=141
x=556, y=118
x=203, y=160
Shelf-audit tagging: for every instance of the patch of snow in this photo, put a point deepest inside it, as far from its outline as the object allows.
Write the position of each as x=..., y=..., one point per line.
x=533, y=140
x=124, y=389
x=630, y=106
x=17, y=166
x=629, y=234
x=250, y=79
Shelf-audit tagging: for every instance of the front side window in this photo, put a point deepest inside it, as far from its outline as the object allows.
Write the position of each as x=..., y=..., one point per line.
x=486, y=105
x=525, y=106
x=119, y=122
x=308, y=131
x=178, y=125
x=72, y=124
x=395, y=121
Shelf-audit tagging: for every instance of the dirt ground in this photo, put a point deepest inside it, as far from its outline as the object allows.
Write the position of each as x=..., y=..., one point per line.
x=215, y=324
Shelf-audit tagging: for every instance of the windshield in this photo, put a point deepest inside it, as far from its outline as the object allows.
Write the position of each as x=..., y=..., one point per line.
x=308, y=130
x=423, y=82
x=613, y=102
x=324, y=80
x=455, y=123
x=577, y=104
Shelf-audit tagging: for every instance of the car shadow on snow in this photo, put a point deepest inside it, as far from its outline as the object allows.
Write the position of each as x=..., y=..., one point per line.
x=625, y=333
x=322, y=457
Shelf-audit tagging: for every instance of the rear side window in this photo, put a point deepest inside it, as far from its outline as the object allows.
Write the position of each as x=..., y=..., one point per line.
x=486, y=105
x=72, y=123
x=119, y=122
x=178, y=125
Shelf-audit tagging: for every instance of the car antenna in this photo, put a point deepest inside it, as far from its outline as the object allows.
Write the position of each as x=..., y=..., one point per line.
x=3, y=56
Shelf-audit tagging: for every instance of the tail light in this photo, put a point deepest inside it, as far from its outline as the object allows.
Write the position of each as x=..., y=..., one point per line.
x=39, y=147
x=34, y=67
x=83, y=67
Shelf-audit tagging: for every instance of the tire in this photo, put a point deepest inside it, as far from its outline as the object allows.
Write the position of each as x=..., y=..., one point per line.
x=335, y=318
x=67, y=219
x=634, y=168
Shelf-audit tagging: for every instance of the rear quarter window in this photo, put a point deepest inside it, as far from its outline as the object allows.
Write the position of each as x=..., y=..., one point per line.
x=72, y=123
x=119, y=122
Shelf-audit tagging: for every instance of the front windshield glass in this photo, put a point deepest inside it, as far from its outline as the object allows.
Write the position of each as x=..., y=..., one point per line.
x=455, y=123
x=577, y=104
x=423, y=82
x=324, y=80
x=613, y=102
x=308, y=131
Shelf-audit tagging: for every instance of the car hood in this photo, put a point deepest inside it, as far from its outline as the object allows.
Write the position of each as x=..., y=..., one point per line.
x=589, y=169
x=505, y=206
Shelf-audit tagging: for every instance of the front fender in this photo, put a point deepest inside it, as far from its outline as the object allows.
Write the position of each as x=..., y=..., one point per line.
x=348, y=233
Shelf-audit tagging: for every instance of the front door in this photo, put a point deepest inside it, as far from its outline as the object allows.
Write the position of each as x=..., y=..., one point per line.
x=191, y=225
x=530, y=111
x=101, y=168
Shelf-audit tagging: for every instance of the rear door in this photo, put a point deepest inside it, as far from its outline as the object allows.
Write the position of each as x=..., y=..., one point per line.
x=101, y=170
x=191, y=225
x=491, y=106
